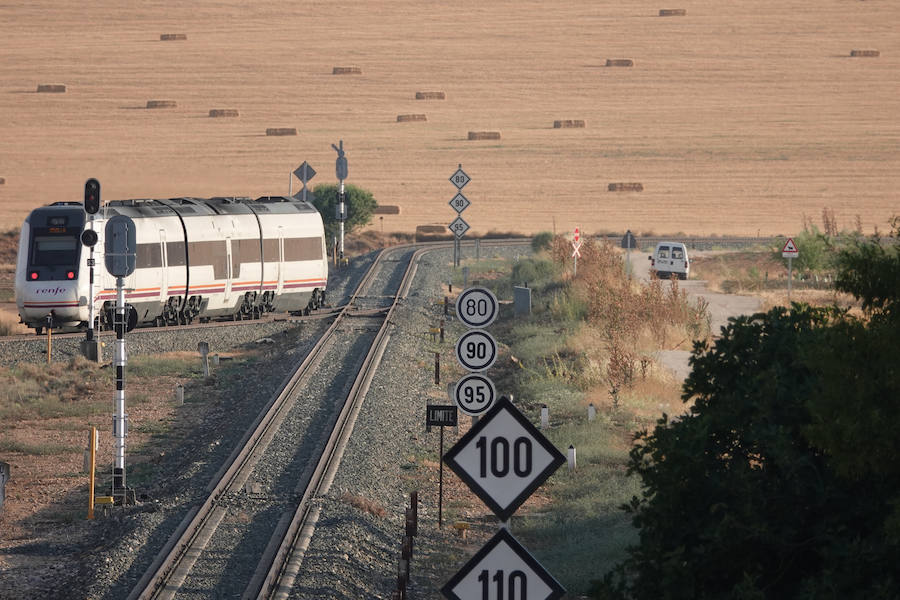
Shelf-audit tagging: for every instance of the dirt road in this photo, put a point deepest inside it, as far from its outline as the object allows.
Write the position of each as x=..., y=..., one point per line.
x=721, y=308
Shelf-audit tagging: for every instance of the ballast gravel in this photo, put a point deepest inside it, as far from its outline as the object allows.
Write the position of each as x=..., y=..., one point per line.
x=354, y=552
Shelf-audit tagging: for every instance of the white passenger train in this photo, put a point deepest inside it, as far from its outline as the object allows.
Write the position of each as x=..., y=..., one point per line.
x=195, y=259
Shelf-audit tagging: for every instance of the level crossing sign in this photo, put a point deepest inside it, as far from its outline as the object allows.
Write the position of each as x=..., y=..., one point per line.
x=503, y=458
x=503, y=569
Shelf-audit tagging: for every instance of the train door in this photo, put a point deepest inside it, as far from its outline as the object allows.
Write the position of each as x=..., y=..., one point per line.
x=228, y=273
x=164, y=274
x=280, y=287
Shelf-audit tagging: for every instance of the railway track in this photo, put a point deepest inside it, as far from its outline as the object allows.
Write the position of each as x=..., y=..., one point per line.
x=262, y=504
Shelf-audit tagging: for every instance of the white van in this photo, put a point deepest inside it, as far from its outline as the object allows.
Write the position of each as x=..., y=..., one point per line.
x=670, y=258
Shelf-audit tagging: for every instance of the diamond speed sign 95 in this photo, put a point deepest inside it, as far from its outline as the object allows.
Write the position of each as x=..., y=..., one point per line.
x=474, y=394
x=476, y=350
x=477, y=307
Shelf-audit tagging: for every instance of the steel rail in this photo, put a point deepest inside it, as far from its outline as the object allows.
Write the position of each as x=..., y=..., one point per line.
x=180, y=552
x=287, y=560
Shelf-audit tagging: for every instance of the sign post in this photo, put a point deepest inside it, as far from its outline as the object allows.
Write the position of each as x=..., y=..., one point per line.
x=340, y=168
x=576, y=245
x=459, y=203
x=121, y=247
x=440, y=415
x=628, y=242
x=790, y=252
x=89, y=239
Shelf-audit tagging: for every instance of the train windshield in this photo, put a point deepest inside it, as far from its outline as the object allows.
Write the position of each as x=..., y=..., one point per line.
x=54, y=250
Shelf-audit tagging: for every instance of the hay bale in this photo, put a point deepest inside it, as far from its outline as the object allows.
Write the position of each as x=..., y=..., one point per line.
x=672, y=12
x=407, y=118
x=51, y=88
x=223, y=112
x=484, y=135
x=387, y=210
x=281, y=131
x=565, y=123
x=346, y=71
x=2, y=180
x=161, y=104
x=619, y=62
x=432, y=232
x=626, y=187
x=431, y=96
x=865, y=53
x=171, y=37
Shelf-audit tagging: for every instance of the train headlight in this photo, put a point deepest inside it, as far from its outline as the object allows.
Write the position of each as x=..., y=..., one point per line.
x=34, y=275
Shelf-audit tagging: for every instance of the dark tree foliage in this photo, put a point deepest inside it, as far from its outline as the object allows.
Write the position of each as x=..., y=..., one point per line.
x=360, y=207
x=783, y=480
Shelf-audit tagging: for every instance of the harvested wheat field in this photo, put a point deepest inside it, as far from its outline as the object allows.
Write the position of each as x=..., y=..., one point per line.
x=737, y=118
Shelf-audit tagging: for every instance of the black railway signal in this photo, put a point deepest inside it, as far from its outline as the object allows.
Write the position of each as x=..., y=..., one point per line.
x=92, y=196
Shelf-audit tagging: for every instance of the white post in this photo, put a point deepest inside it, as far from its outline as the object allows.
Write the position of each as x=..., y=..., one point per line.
x=790, y=276
x=571, y=458
x=592, y=412
x=120, y=418
x=179, y=395
x=545, y=417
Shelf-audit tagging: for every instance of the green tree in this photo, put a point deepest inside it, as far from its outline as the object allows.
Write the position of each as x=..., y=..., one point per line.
x=782, y=481
x=360, y=206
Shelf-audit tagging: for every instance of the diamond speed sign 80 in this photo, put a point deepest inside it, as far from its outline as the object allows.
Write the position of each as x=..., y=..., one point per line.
x=477, y=307
x=476, y=350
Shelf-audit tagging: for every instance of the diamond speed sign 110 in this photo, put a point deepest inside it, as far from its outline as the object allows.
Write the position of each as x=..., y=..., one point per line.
x=477, y=307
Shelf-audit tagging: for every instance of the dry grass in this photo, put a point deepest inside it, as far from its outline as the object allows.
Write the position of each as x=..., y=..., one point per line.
x=363, y=504
x=740, y=117
x=10, y=325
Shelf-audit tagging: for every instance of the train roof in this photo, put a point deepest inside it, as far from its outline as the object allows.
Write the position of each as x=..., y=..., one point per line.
x=187, y=206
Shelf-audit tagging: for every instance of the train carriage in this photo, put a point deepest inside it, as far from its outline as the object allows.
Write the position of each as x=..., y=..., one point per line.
x=195, y=259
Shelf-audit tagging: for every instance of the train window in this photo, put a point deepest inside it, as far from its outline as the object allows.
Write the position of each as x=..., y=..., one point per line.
x=148, y=256
x=49, y=250
x=302, y=249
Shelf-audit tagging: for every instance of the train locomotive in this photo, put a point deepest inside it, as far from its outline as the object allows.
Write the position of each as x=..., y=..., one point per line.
x=196, y=259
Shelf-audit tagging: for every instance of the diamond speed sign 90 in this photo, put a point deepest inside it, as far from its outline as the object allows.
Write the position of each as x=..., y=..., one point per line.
x=476, y=350
x=477, y=307
x=474, y=394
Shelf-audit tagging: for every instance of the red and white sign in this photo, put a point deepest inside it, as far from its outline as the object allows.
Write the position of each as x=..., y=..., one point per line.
x=577, y=235
x=790, y=249
x=576, y=247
